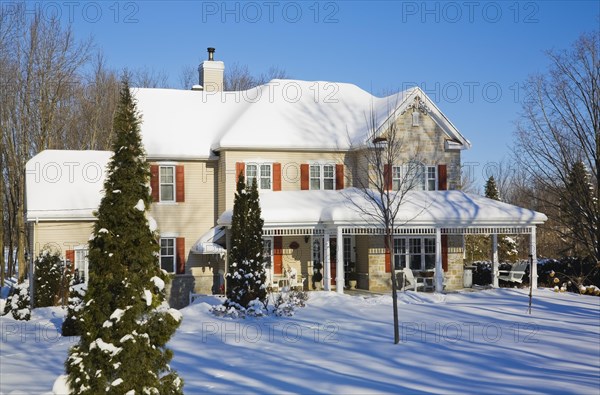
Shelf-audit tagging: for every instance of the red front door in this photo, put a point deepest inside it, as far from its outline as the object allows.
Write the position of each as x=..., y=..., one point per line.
x=332, y=258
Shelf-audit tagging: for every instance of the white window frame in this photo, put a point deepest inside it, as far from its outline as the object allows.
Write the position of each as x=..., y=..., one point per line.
x=321, y=178
x=402, y=247
x=81, y=262
x=161, y=183
x=400, y=175
x=259, y=167
x=268, y=265
x=174, y=255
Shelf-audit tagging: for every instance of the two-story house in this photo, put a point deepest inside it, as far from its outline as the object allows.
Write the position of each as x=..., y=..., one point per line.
x=305, y=143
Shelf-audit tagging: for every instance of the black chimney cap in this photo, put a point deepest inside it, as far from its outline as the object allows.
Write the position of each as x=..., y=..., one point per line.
x=211, y=53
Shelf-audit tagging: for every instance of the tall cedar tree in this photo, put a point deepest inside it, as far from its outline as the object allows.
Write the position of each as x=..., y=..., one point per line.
x=126, y=321
x=506, y=246
x=246, y=276
x=578, y=208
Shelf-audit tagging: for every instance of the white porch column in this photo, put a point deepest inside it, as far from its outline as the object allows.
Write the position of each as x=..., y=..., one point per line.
x=439, y=270
x=533, y=251
x=339, y=262
x=327, y=262
x=495, y=260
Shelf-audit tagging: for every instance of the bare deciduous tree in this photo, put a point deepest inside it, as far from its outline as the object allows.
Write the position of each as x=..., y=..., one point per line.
x=388, y=168
x=239, y=78
x=560, y=126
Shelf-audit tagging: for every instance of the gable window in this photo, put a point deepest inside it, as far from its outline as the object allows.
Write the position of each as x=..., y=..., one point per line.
x=167, y=183
x=261, y=173
x=167, y=254
x=322, y=176
x=414, y=176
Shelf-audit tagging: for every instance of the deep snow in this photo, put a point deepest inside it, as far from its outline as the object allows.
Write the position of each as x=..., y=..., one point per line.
x=471, y=342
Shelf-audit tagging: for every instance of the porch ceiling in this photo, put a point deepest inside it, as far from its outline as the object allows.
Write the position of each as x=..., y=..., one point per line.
x=350, y=208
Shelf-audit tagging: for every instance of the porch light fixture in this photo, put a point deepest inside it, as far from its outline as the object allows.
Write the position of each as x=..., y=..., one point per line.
x=306, y=239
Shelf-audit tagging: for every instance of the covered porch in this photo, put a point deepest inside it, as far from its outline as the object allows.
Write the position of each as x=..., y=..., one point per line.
x=322, y=237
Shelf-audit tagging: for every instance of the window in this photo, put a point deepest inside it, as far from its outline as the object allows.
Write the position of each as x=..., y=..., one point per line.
x=268, y=252
x=414, y=176
x=167, y=183
x=431, y=181
x=167, y=254
x=417, y=252
x=81, y=265
x=261, y=173
x=322, y=176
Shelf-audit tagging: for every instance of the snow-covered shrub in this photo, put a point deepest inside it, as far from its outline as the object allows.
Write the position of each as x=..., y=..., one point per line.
x=18, y=302
x=72, y=324
x=52, y=278
x=286, y=303
x=569, y=274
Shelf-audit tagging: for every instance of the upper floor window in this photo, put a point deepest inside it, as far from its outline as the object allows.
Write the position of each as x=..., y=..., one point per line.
x=322, y=176
x=261, y=173
x=414, y=176
x=167, y=183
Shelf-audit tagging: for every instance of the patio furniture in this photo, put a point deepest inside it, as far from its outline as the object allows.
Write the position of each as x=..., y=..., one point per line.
x=411, y=281
x=515, y=274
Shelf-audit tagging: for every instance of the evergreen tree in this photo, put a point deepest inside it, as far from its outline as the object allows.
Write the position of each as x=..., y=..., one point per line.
x=507, y=246
x=71, y=326
x=491, y=189
x=246, y=275
x=52, y=278
x=126, y=322
x=579, y=207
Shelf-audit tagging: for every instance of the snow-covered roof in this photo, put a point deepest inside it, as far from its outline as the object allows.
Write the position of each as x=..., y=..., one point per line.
x=207, y=243
x=282, y=114
x=65, y=184
x=350, y=207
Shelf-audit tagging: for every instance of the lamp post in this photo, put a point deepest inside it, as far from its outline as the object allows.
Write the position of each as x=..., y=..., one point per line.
x=29, y=260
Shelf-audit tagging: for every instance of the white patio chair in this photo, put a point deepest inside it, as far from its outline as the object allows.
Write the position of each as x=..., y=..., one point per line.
x=411, y=281
x=515, y=274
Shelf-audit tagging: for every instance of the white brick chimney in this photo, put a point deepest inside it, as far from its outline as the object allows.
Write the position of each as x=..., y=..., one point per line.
x=211, y=73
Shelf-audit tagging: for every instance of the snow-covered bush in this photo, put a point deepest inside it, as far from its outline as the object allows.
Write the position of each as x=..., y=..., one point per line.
x=18, y=302
x=283, y=304
x=52, y=278
x=569, y=274
x=286, y=303
x=72, y=324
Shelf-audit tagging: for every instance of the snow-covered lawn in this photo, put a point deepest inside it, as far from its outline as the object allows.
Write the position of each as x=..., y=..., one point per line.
x=472, y=342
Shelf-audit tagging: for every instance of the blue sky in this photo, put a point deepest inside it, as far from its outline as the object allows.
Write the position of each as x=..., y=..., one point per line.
x=471, y=57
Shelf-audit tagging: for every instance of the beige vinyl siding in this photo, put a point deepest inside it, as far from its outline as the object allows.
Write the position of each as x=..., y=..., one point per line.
x=197, y=214
x=60, y=235
x=290, y=167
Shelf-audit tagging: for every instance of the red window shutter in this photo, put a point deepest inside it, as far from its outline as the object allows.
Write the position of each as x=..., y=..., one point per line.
x=70, y=256
x=387, y=177
x=339, y=176
x=277, y=176
x=442, y=178
x=240, y=169
x=278, y=255
x=179, y=184
x=445, y=252
x=304, y=177
x=388, y=261
x=154, y=182
x=180, y=251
